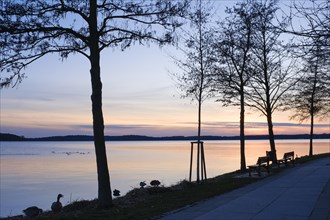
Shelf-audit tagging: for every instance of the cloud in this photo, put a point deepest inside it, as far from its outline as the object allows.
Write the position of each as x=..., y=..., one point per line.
x=132, y=126
x=189, y=128
x=163, y=129
x=256, y=124
x=204, y=124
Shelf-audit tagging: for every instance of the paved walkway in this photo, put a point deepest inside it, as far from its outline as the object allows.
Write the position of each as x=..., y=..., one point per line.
x=300, y=192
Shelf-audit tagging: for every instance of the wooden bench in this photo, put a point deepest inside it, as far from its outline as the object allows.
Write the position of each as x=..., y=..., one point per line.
x=287, y=157
x=270, y=154
x=262, y=162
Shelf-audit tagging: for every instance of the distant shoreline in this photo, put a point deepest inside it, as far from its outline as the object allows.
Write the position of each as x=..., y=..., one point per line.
x=13, y=137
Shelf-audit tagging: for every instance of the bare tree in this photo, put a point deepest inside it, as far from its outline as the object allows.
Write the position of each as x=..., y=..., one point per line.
x=232, y=51
x=311, y=99
x=314, y=22
x=31, y=30
x=272, y=65
x=196, y=67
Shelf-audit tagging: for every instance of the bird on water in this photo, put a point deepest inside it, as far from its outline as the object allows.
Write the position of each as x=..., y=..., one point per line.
x=32, y=211
x=57, y=206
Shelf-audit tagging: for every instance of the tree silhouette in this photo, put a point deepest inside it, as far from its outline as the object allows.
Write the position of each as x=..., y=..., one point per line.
x=272, y=65
x=31, y=30
x=314, y=23
x=310, y=98
x=232, y=52
x=196, y=68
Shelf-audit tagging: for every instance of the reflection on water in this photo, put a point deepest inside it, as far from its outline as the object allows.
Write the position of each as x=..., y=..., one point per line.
x=33, y=173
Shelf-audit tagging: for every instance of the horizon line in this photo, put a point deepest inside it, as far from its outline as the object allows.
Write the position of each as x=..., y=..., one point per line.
x=185, y=136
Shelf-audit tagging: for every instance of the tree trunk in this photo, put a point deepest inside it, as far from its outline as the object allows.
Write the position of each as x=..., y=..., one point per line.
x=312, y=111
x=266, y=84
x=199, y=119
x=271, y=137
x=311, y=133
x=242, y=135
x=311, y=137
x=200, y=150
x=197, y=164
x=201, y=85
x=104, y=189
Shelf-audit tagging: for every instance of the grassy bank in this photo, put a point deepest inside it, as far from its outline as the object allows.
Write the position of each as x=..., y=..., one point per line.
x=149, y=202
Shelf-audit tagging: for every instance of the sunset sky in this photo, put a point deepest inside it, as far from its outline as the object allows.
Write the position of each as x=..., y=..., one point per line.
x=139, y=97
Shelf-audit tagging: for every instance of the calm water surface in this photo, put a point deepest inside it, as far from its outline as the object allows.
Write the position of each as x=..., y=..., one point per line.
x=33, y=173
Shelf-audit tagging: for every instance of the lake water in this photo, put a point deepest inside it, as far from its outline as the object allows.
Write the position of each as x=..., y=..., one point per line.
x=33, y=173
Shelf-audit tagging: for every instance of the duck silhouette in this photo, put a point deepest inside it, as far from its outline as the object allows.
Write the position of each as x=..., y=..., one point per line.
x=57, y=206
x=155, y=183
x=116, y=192
x=143, y=184
x=32, y=211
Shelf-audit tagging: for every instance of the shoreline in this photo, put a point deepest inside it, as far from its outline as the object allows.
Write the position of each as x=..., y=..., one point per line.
x=145, y=202
x=13, y=137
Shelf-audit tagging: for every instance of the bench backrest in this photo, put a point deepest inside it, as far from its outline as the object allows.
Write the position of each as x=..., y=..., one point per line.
x=262, y=160
x=289, y=155
x=270, y=154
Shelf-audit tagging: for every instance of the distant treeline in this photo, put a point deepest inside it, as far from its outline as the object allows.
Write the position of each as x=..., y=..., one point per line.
x=12, y=137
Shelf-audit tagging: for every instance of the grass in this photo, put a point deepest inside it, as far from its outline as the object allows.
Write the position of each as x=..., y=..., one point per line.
x=146, y=203
x=305, y=159
x=150, y=202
